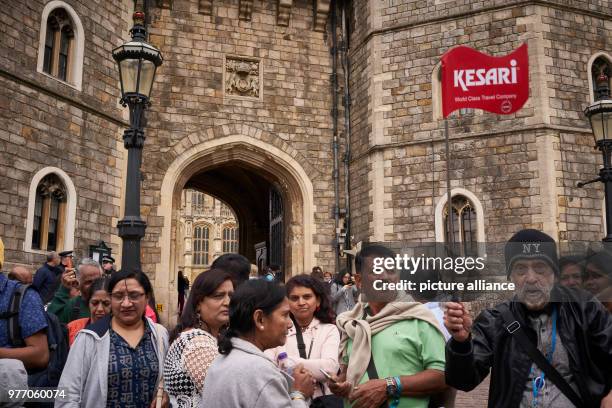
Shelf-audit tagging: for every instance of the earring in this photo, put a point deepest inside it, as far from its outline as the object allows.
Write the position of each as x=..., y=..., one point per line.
x=261, y=327
x=317, y=309
x=200, y=322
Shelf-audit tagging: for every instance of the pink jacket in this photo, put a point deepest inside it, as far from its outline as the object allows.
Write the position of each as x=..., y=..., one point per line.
x=323, y=341
x=150, y=313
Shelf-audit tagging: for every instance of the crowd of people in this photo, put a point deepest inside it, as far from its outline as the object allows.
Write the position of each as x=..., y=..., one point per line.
x=314, y=341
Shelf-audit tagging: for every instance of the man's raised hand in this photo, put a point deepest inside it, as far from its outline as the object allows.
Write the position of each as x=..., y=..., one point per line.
x=458, y=321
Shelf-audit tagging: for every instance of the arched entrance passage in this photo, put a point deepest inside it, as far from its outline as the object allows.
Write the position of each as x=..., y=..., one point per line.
x=204, y=162
x=246, y=190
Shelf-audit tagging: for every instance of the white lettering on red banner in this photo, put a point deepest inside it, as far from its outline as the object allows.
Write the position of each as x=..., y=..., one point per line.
x=471, y=79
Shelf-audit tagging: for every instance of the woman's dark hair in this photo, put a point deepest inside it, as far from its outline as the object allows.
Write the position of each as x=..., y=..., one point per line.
x=252, y=295
x=602, y=261
x=325, y=313
x=571, y=260
x=205, y=284
x=98, y=284
x=339, y=276
x=142, y=279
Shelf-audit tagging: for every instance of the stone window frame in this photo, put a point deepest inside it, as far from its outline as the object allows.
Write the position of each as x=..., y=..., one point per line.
x=261, y=71
x=231, y=227
x=77, y=47
x=69, y=211
x=205, y=249
x=592, y=60
x=440, y=220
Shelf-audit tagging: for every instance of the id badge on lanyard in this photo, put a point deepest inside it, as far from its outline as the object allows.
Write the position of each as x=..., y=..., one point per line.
x=539, y=382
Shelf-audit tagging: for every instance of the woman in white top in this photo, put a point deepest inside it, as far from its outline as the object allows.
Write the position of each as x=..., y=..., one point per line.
x=311, y=310
x=194, y=340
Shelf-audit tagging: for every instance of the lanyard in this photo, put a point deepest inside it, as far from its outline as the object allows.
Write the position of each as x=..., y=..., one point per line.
x=538, y=383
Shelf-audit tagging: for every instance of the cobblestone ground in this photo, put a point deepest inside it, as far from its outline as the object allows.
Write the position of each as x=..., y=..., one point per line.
x=477, y=398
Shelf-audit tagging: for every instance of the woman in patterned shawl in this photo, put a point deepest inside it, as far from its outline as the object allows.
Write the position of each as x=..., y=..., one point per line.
x=194, y=339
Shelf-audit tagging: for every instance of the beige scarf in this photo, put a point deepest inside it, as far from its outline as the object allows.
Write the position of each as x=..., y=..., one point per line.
x=352, y=326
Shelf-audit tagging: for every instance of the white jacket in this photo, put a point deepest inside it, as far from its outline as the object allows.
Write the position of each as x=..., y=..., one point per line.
x=85, y=375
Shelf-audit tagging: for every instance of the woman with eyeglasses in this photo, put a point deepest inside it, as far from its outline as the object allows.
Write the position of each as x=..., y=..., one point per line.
x=99, y=306
x=193, y=345
x=117, y=361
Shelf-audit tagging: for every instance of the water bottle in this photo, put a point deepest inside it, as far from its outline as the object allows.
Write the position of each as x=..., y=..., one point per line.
x=285, y=363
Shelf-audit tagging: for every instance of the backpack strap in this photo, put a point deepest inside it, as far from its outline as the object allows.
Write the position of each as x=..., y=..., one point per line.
x=12, y=314
x=300, y=339
x=512, y=325
x=372, y=372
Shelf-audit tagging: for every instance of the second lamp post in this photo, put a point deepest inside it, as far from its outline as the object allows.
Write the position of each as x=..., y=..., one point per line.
x=600, y=116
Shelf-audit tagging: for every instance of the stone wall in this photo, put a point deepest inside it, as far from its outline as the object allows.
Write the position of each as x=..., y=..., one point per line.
x=523, y=167
x=190, y=97
x=45, y=122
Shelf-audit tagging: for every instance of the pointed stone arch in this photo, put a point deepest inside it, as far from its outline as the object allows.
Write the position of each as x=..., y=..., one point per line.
x=260, y=150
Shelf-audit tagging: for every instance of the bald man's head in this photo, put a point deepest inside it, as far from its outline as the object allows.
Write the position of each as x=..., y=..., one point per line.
x=21, y=274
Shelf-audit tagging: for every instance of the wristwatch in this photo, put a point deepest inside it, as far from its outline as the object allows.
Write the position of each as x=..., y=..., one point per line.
x=391, y=387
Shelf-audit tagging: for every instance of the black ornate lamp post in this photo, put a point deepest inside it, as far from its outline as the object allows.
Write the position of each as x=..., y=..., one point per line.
x=600, y=116
x=137, y=61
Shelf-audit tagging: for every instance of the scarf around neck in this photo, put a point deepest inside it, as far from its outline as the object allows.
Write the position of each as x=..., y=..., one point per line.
x=353, y=326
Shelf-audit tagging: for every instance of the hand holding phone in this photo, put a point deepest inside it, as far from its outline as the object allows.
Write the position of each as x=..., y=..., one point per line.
x=329, y=377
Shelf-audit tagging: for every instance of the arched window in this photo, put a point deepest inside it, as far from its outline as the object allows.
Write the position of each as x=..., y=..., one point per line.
x=197, y=202
x=464, y=225
x=468, y=221
x=230, y=239
x=62, y=43
x=48, y=229
x=601, y=65
x=58, y=44
x=201, y=245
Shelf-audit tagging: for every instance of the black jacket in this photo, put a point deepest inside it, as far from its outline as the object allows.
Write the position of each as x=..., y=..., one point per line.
x=585, y=329
x=46, y=281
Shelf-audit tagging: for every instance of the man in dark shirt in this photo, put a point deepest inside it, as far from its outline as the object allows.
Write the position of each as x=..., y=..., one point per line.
x=47, y=278
x=183, y=285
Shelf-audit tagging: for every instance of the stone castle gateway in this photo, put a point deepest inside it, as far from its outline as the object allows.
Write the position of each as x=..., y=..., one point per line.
x=250, y=107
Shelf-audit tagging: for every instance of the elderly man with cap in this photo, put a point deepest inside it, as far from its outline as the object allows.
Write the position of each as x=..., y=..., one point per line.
x=65, y=262
x=108, y=264
x=549, y=346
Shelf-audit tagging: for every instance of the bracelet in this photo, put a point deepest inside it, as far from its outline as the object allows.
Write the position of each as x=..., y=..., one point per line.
x=398, y=383
x=297, y=395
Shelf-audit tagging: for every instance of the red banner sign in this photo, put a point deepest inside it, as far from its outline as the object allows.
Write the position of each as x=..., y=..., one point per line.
x=471, y=79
